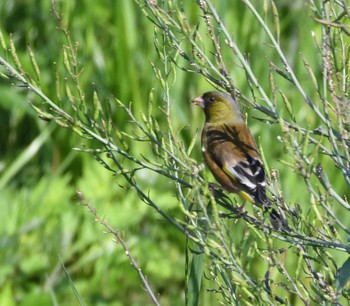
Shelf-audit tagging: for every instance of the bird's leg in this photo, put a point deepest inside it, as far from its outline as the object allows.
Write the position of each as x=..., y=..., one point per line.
x=222, y=199
x=241, y=208
x=240, y=211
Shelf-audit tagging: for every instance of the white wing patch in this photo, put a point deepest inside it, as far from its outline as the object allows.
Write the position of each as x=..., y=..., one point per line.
x=249, y=173
x=236, y=173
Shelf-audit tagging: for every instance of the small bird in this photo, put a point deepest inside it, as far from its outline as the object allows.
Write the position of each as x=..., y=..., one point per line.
x=230, y=151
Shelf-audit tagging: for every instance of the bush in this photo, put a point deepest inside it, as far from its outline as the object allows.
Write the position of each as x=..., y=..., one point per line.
x=288, y=63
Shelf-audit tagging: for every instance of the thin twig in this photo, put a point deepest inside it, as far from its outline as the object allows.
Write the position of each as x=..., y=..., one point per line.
x=116, y=234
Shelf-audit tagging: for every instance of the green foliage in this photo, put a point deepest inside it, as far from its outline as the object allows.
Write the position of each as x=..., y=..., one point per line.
x=120, y=75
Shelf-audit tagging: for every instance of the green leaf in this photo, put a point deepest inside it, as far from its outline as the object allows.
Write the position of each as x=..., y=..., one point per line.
x=342, y=276
x=74, y=288
x=6, y=295
x=195, y=277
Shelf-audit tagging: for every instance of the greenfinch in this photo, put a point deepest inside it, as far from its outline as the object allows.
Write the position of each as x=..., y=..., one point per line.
x=230, y=150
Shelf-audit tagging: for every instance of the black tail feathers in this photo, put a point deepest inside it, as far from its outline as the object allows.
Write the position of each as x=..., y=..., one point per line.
x=278, y=222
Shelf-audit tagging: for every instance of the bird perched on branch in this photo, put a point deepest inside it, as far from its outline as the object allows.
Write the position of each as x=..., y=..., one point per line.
x=230, y=151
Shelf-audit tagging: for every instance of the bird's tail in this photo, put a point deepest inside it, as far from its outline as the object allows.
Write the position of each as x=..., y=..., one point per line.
x=278, y=222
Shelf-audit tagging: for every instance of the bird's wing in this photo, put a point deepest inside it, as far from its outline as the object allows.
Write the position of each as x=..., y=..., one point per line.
x=234, y=149
x=248, y=171
x=250, y=175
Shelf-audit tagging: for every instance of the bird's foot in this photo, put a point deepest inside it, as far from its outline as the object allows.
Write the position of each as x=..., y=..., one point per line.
x=240, y=211
x=241, y=208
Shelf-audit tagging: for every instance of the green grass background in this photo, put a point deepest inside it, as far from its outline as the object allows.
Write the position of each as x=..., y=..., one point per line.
x=41, y=222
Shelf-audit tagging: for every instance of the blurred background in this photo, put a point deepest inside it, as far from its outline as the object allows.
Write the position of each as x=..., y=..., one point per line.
x=42, y=224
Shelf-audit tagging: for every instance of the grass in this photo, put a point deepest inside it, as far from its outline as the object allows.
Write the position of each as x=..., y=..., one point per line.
x=122, y=85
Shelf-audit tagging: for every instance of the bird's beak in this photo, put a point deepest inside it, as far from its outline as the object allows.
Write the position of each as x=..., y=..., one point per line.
x=198, y=101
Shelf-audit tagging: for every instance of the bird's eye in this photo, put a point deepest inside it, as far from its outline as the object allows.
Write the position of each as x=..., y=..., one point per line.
x=211, y=99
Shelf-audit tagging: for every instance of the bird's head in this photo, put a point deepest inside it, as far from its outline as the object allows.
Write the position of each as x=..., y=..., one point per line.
x=219, y=107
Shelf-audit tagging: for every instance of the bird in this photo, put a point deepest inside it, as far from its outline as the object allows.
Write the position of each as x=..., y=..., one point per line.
x=230, y=151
